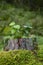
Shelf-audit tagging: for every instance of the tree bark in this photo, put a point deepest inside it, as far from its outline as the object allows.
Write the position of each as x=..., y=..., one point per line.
x=22, y=43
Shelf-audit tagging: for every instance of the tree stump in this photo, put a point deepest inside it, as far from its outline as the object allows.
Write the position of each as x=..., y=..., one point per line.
x=21, y=43
x=12, y=44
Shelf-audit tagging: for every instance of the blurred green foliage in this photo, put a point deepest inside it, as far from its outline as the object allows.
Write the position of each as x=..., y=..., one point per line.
x=21, y=16
x=31, y=4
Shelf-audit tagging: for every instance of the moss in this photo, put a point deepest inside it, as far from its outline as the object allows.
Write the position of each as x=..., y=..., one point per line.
x=18, y=57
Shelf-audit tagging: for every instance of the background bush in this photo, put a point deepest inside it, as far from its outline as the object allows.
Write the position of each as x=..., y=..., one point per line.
x=9, y=12
x=32, y=4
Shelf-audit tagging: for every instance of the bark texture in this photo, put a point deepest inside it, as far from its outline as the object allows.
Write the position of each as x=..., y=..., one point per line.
x=22, y=43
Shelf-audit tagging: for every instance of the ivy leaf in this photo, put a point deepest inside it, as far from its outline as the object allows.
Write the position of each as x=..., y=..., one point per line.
x=12, y=31
x=12, y=24
x=17, y=26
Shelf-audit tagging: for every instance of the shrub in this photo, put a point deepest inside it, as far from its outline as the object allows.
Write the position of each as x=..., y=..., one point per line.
x=18, y=57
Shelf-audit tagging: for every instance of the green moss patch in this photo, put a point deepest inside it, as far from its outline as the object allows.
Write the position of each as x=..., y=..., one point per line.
x=18, y=57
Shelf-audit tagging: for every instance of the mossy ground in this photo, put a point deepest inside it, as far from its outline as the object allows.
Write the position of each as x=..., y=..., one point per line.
x=19, y=57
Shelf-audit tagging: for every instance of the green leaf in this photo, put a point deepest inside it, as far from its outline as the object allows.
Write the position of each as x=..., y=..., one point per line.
x=12, y=31
x=12, y=24
x=17, y=26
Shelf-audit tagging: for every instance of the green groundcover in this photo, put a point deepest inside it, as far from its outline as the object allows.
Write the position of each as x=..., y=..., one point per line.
x=20, y=57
